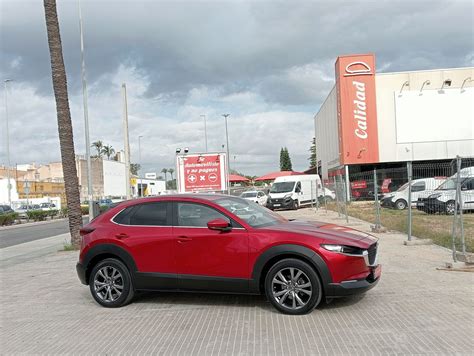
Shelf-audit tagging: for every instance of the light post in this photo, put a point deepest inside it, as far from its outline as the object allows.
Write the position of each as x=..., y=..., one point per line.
x=86, y=119
x=227, y=146
x=8, y=143
x=205, y=130
x=140, y=165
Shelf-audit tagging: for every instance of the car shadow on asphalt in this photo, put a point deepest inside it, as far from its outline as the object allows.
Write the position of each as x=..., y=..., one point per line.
x=193, y=299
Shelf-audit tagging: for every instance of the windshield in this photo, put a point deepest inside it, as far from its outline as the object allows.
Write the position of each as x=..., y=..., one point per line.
x=252, y=213
x=450, y=184
x=249, y=195
x=282, y=187
x=403, y=187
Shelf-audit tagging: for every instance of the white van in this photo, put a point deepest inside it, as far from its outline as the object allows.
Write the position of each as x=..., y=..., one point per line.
x=291, y=192
x=442, y=199
x=399, y=198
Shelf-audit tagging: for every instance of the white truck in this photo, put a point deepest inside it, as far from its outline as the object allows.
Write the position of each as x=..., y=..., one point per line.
x=291, y=192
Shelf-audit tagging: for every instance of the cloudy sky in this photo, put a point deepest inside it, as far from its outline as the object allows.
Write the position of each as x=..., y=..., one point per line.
x=269, y=64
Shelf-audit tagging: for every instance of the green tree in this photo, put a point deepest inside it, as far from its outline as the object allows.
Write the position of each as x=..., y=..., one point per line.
x=312, y=157
x=165, y=171
x=66, y=137
x=108, y=151
x=99, y=146
x=134, y=168
x=171, y=171
x=285, y=160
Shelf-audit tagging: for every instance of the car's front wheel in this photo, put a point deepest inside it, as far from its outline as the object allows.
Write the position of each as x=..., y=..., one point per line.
x=401, y=204
x=110, y=283
x=293, y=287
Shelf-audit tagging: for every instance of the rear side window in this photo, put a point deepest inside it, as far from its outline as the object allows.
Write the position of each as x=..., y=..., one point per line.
x=150, y=214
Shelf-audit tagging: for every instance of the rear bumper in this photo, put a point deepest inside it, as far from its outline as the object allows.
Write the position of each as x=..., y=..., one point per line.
x=347, y=288
x=81, y=273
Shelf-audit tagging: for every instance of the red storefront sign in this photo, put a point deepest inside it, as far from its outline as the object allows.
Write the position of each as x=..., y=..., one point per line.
x=359, y=184
x=201, y=172
x=356, y=109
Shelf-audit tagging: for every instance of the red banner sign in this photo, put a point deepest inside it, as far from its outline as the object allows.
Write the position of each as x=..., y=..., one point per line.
x=356, y=109
x=201, y=172
x=359, y=184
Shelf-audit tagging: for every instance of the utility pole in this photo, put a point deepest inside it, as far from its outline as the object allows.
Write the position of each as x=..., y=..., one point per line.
x=205, y=131
x=126, y=142
x=86, y=119
x=8, y=144
x=227, y=146
x=140, y=166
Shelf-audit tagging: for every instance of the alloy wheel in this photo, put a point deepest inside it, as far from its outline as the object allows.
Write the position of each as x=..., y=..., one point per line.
x=108, y=284
x=291, y=288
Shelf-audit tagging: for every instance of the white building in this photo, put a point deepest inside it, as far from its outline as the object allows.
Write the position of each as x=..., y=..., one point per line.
x=374, y=118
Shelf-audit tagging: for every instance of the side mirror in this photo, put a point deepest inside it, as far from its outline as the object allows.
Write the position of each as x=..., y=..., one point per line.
x=219, y=225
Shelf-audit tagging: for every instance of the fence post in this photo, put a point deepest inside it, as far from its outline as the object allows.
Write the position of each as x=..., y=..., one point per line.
x=377, y=207
x=345, y=199
x=311, y=183
x=317, y=195
x=337, y=197
x=458, y=218
x=410, y=177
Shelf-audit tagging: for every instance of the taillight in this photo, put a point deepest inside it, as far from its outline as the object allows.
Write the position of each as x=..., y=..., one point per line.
x=86, y=230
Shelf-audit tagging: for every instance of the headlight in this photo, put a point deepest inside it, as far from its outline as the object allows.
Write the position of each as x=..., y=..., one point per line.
x=435, y=195
x=348, y=250
x=287, y=196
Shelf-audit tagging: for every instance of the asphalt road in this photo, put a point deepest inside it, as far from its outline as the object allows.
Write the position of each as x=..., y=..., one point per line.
x=31, y=232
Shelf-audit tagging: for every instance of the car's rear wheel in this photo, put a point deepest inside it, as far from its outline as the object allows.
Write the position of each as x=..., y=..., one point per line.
x=293, y=287
x=110, y=283
x=400, y=204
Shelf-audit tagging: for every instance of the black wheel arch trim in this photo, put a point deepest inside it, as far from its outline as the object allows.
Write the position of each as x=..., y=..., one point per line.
x=107, y=249
x=289, y=249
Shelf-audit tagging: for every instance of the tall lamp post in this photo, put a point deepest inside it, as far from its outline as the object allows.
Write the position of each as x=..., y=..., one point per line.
x=140, y=165
x=8, y=143
x=86, y=119
x=227, y=146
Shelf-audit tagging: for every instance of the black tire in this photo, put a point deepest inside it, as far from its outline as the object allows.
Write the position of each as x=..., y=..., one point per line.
x=295, y=204
x=112, y=285
x=450, y=207
x=308, y=275
x=401, y=204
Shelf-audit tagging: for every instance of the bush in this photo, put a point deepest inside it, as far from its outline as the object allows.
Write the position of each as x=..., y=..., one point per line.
x=8, y=219
x=37, y=215
x=84, y=210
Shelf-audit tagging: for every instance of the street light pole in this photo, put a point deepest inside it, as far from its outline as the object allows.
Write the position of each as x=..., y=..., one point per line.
x=205, y=130
x=8, y=143
x=227, y=146
x=140, y=165
x=126, y=144
x=86, y=119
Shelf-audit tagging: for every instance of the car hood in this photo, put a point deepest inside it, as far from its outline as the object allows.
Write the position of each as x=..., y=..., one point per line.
x=330, y=233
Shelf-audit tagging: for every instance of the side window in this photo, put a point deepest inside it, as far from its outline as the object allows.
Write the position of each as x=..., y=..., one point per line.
x=151, y=214
x=197, y=215
x=468, y=184
x=298, y=187
x=418, y=187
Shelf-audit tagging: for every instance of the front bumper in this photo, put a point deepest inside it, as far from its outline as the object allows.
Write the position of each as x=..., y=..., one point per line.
x=431, y=205
x=346, y=288
x=280, y=203
x=81, y=273
x=387, y=203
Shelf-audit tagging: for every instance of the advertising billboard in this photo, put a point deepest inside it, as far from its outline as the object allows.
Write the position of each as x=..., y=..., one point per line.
x=201, y=172
x=356, y=109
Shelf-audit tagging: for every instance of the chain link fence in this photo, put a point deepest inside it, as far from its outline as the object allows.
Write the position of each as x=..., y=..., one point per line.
x=427, y=200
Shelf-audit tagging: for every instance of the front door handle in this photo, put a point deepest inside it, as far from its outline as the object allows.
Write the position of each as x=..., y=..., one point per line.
x=182, y=239
x=121, y=236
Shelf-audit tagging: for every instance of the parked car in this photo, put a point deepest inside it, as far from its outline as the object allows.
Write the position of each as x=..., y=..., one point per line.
x=399, y=198
x=47, y=206
x=23, y=209
x=258, y=197
x=105, y=202
x=291, y=192
x=220, y=243
x=6, y=209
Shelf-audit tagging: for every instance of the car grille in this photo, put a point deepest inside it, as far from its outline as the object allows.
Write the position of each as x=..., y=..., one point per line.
x=372, y=253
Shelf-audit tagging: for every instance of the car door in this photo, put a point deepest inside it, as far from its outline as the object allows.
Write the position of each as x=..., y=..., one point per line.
x=146, y=232
x=416, y=190
x=467, y=194
x=209, y=259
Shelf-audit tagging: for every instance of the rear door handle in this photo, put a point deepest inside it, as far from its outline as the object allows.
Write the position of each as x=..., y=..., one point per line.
x=121, y=236
x=182, y=239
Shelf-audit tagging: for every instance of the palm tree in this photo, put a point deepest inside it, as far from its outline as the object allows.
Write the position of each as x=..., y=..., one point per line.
x=171, y=171
x=164, y=170
x=108, y=151
x=99, y=146
x=66, y=138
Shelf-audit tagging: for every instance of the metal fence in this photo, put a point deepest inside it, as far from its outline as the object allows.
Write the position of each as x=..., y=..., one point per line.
x=427, y=200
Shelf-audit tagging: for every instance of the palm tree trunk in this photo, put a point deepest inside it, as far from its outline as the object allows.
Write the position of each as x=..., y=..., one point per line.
x=66, y=139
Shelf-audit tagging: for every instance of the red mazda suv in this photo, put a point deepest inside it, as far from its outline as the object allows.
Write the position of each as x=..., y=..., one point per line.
x=222, y=244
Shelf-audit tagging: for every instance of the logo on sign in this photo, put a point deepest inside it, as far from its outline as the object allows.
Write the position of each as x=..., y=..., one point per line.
x=192, y=178
x=213, y=177
x=354, y=68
